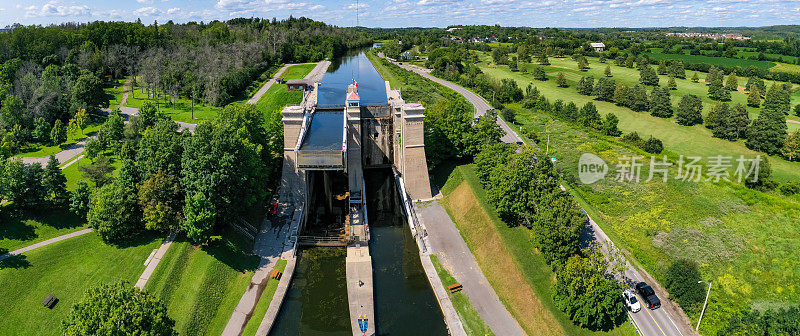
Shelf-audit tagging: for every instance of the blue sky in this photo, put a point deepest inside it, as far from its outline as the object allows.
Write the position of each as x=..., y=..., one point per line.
x=419, y=13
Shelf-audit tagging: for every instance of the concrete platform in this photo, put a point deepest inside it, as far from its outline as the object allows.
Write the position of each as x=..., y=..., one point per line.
x=360, y=296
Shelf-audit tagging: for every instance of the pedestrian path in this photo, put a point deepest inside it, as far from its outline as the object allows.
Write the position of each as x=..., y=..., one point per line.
x=267, y=85
x=44, y=243
x=154, y=260
x=360, y=298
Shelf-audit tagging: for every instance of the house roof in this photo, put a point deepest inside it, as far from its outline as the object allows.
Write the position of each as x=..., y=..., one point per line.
x=597, y=45
x=298, y=81
x=353, y=96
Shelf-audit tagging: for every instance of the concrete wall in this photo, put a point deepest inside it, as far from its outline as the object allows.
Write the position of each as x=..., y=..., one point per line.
x=414, y=165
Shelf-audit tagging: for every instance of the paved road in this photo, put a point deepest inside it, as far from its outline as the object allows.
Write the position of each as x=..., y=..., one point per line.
x=267, y=85
x=665, y=321
x=452, y=251
x=481, y=105
x=44, y=243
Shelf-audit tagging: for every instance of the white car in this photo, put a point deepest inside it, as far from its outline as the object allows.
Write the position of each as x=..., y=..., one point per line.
x=630, y=301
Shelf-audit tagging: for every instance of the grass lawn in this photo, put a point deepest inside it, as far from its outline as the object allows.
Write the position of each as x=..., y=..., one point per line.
x=179, y=110
x=472, y=322
x=785, y=67
x=202, y=286
x=516, y=271
x=677, y=139
x=263, y=303
x=73, y=173
x=722, y=61
x=19, y=231
x=41, y=150
x=744, y=240
x=66, y=269
x=114, y=92
x=298, y=71
x=276, y=97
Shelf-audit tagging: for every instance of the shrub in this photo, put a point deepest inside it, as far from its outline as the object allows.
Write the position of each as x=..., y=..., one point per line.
x=653, y=146
x=632, y=138
x=790, y=188
x=509, y=115
x=682, y=284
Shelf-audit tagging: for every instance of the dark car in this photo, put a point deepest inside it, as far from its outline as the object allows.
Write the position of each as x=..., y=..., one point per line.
x=649, y=295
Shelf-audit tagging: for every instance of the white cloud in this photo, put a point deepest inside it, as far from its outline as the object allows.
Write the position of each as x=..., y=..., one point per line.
x=144, y=1
x=316, y=7
x=435, y=2
x=173, y=10
x=147, y=11
x=52, y=8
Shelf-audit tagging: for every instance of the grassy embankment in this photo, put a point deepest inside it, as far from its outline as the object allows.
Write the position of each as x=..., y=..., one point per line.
x=691, y=141
x=472, y=322
x=65, y=269
x=517, y=272
x=19, y=231
x=202, y=286
x=263, y=303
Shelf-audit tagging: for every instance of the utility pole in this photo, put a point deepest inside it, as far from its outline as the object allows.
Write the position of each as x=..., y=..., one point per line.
x=704, y=304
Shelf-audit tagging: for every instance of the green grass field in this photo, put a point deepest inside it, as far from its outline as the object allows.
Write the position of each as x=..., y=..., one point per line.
x=680, y=140
x=722, y=61
x=74, y=174
x=66, y=269
x=472, y=322
x=114, y=92
x=276, y=97
x=298, y=71
x=20, y=231
x=179, y=110
x=744, y=240
x=263, y=303
x=42, y=150
x=202, y=286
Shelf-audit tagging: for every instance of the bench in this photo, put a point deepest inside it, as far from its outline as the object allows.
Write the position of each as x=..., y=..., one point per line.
x=275, y=274
x=50, y=301
x=456, y=287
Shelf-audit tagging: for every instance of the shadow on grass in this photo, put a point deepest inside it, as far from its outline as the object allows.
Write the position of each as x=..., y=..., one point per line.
x=139, y=239
x=17, y=261
x=440, y=174
x=17, y=225
x=234, y=250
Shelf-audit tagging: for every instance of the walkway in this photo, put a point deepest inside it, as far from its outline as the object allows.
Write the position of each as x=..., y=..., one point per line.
x=153, y=261
x=44, y=243
x=358, y=265
x=453, y=252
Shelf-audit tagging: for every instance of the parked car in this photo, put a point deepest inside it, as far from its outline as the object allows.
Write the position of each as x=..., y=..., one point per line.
x=631, y=302
x=648, y=295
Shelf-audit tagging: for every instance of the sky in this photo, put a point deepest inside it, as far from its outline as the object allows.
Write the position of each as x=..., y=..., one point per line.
x=418, y=13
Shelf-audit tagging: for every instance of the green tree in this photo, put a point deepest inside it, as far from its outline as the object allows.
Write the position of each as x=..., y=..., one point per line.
x=777, y=100
x=797, y=110
x=508, y=91
x=58, y=134
x=717, y=91
x=509, y=115
x=490, y=157
x=660, y=104
x=589, y=116
x=160, y=148
x=637, y=98
x=662, y=68
x=583, y=65
x=719, y=121
x=740, y=119
x=41, y=130
x=682, y=278
x=114, y=213
x=539, y=74
x=54, y=182
x=791, y=147
x=118, y=309
x=199, y=218
x=621, y=95
x=97, y=171
x=587, y=294
x=604, y=89
x=652, y=146
x=610, y=125
x=586, y=85
x=732, y=82
x=93, y=148
x=112, y=132
x=648, y=76
x=695, y=77
x=677, y=69
x=689, y=110
x=671, y=83
x=561, y=80
x=160, y=199
x=80, y=199
x=767, y=132
x=88, y=91
x=150, y=114
x=78, y=122
x=754, y=98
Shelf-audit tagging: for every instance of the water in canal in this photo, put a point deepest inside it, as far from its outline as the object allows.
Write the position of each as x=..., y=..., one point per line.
x=404, y=301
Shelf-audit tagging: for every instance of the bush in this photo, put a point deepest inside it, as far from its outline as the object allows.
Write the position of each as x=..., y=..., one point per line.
x=682, y=284
x=790, y=188
x=653, y=146
x=632, y=138
x=509, y=115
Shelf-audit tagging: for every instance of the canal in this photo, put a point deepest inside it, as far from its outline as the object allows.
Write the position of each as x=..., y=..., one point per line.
x=316, y=301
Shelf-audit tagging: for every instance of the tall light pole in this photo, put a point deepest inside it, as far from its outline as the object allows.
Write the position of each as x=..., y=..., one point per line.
x=704, y=304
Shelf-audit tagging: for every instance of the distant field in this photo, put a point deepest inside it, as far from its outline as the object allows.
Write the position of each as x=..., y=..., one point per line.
x=784, y=67
x=722, y=61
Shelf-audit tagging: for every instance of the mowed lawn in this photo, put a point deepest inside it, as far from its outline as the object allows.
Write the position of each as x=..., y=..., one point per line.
x=744, y=240
x=202, y=286
x=515, y=269
x=470, y=320
x=273, y=101
x=23, y=230
x=46, y=149
x=263, y=302
x=298, y=71
x=179, y=110
x=680, y=140
x=65, y=269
